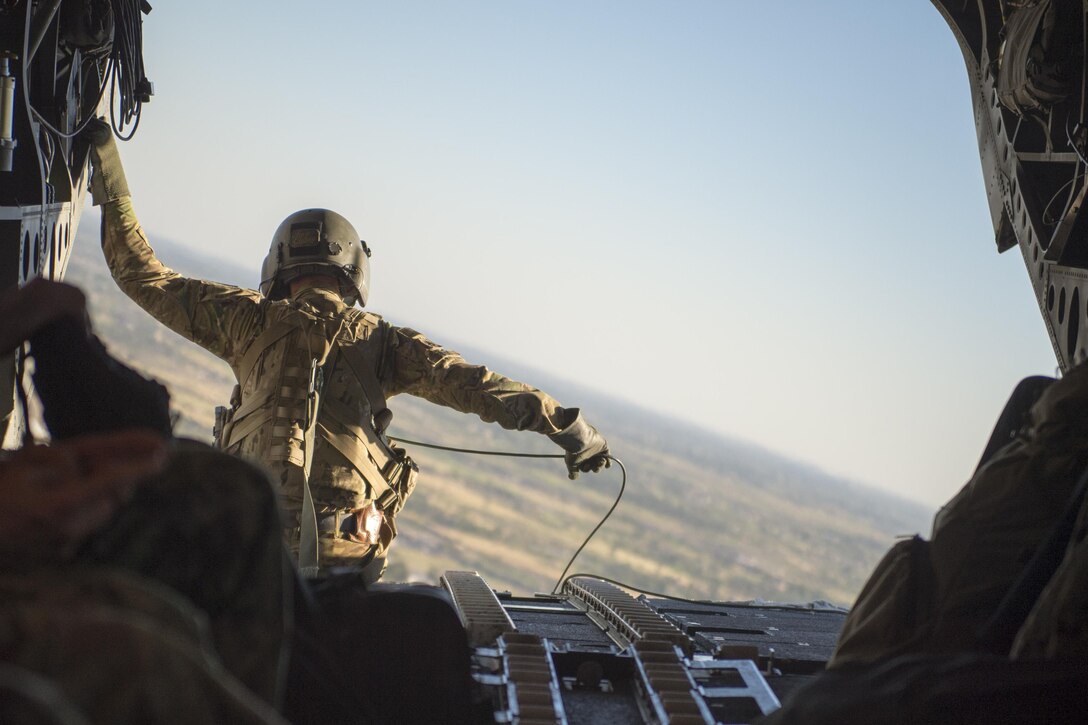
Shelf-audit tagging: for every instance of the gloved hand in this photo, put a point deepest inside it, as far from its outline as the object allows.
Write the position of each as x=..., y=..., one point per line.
x=587, y=450
x=108, y=182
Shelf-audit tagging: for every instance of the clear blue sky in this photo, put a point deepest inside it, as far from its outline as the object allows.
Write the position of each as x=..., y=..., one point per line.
x=767, y=218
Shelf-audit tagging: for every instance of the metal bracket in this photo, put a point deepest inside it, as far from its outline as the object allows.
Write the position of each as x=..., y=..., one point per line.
x=755, y=686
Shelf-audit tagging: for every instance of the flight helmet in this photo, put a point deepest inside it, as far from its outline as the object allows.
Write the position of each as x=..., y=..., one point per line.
x=317, y=241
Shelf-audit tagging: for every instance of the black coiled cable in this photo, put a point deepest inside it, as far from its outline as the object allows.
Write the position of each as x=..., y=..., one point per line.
x=513, y=454
x=129, y=86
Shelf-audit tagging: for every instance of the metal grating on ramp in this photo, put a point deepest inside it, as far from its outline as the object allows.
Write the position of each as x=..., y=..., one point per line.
x=532, y=687
x=483, y=617
x=670, y=691
x=634, y=619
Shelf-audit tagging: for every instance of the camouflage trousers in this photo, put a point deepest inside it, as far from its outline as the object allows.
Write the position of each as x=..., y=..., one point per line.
x=178, y=611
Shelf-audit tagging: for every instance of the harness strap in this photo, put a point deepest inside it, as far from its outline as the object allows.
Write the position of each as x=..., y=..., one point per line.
x=287, y=454
x=253, y=404
x=350, y=448
x=308, y=551
x=265, y=340
x=246, y=427
x=367, y=375
x=346, y=420
x=372, y=389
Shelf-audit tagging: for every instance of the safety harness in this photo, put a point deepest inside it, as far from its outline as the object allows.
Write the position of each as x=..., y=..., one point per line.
x=314, y=399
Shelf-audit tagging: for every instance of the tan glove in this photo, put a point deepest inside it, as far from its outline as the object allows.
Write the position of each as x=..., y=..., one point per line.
x=587, y=450
x=108, y=182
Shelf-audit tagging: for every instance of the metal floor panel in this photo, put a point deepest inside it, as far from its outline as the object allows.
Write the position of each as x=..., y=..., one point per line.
x=617, y=658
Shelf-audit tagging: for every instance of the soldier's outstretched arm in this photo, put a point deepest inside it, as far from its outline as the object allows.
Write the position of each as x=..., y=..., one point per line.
x=216, y=316
x=427, y=370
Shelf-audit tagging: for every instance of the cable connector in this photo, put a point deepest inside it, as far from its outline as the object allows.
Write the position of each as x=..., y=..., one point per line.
x=144, y=90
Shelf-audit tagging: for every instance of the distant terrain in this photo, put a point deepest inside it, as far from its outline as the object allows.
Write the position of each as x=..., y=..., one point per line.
x=703, y=516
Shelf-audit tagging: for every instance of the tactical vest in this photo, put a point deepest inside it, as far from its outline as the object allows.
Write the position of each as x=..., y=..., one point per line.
x=268, y=415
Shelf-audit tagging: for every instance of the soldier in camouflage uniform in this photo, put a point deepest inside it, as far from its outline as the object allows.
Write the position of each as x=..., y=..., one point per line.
x=300, y=344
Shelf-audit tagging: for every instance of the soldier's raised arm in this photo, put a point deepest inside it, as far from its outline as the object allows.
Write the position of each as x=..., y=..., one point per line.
x=216, y=316
x=422, y=368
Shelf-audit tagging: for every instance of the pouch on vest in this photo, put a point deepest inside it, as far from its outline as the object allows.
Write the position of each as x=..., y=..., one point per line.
x=401, y=474
x=224, y=419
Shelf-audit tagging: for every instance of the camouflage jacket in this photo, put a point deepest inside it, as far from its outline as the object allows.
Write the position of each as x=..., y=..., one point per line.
x=228, y=321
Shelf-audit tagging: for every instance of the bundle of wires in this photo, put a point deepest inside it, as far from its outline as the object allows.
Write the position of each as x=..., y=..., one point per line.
x=123, y=71
x=129, y=87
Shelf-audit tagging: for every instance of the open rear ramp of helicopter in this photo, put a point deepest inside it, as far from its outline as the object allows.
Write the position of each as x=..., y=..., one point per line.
x=595, y=653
